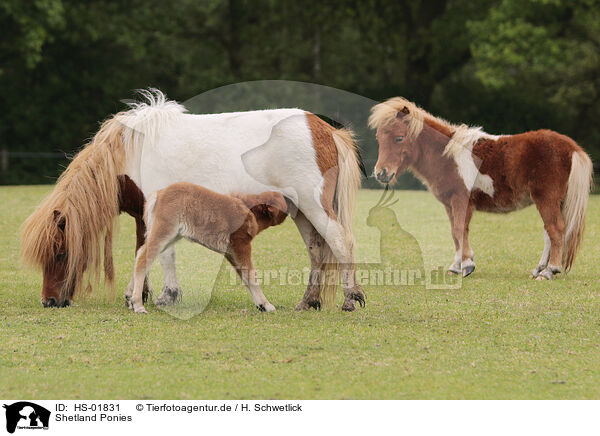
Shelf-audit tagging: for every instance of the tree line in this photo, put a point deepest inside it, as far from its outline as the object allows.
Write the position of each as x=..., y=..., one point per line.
x=507, y=65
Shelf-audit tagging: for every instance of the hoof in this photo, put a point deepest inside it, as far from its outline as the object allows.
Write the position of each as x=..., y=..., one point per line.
x=455, y=268
x=267, y=307
x=348, y=306
x=140, y=309
x=467, y=266
x=168, y=297
x=128, y=303
x=307, y=305
x=545, y=274
x=356, y=295
x=536, y=272
x=468, y=270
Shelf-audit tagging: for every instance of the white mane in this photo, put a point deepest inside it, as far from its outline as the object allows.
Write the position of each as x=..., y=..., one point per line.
x=150, y=113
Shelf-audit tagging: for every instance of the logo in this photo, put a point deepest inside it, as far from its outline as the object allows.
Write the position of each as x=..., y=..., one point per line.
x=26, y=415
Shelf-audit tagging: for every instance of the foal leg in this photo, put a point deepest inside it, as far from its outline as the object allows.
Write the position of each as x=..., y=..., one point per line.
x=140, y=233
x=545, y=257
x=554, y=225
x=171, y=292
x=315, y=246
x=242, y=261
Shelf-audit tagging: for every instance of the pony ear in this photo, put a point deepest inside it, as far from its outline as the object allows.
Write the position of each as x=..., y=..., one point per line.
x=402, y=112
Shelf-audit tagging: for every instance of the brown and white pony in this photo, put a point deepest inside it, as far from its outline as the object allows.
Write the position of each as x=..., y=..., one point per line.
x=226, y=224
x=154, y=144
x=467, y=169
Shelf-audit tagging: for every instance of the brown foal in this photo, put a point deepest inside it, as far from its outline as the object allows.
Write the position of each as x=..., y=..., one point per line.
x=223, y=223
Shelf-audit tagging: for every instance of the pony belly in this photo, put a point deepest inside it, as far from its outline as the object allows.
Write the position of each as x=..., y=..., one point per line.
x=501, y=202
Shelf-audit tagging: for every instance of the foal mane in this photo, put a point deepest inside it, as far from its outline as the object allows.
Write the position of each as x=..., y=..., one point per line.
x=86, y=200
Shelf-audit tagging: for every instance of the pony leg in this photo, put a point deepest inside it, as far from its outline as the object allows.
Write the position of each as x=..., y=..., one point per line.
x=554, y=225
x=342, y=250
x=545, y=256
x=242, y=261
x=461, y=212
x=454, y=268
x=467, y=263
x=145, y=258
x=171, y=292
x=140, y=233
x=315, y=245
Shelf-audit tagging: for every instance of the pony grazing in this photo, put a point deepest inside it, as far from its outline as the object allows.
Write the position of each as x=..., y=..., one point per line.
x=155, y=144
x=225, y=224
x=467, y=169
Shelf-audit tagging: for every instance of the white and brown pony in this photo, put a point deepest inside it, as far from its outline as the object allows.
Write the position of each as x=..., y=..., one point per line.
x=154, y=144
x=467, y=169
x=226, y=224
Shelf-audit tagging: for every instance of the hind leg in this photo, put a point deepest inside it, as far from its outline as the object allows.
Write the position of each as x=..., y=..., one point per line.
x=171, y=292
x=545, y=257
x=554, y=226
x=343, y=249
x=315, y=245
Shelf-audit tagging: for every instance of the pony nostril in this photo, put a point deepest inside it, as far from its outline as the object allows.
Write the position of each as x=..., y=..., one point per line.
x=381, y=175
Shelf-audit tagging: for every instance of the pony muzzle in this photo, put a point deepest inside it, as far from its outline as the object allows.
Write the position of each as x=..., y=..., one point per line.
x=52, y=302
x=383, y=176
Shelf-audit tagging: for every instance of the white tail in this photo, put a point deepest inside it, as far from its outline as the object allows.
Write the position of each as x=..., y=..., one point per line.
x=575, y=204
x=348, y=183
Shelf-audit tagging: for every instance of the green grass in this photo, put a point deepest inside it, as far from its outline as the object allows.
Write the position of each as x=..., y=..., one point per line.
x=501, y=335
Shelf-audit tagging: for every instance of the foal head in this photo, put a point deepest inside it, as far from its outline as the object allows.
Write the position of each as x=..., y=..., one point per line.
x=269, y=208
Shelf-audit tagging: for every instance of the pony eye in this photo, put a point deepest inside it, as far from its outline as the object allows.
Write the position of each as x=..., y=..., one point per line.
x=60, y=257
x=399, y=138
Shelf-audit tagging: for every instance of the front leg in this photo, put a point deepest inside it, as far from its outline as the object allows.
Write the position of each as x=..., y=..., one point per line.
x=140, y=239
x=460, y=211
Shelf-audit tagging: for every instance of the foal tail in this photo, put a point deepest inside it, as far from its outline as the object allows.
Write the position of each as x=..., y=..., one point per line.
x=348, y=182
x=575, y=204
x=149, y=210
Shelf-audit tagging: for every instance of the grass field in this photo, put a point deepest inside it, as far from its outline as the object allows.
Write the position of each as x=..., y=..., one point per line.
x=501, y=335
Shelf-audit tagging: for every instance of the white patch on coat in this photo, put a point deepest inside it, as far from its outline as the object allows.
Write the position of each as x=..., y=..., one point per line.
x=460, y=148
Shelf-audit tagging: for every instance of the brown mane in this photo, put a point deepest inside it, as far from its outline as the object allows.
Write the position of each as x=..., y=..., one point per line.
x=86, y=200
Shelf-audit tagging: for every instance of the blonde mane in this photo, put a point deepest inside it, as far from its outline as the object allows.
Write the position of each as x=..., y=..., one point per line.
x=86, y=197
x=462, y=137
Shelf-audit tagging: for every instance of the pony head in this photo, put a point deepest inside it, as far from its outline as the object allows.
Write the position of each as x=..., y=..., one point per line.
x=70, y=233
x=398, y=123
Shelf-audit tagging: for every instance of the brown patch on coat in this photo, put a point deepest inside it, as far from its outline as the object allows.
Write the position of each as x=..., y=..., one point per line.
x=327, y=159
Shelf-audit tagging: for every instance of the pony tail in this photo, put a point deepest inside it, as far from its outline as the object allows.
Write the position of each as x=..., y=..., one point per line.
x=575, y=205
x=345, y=193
